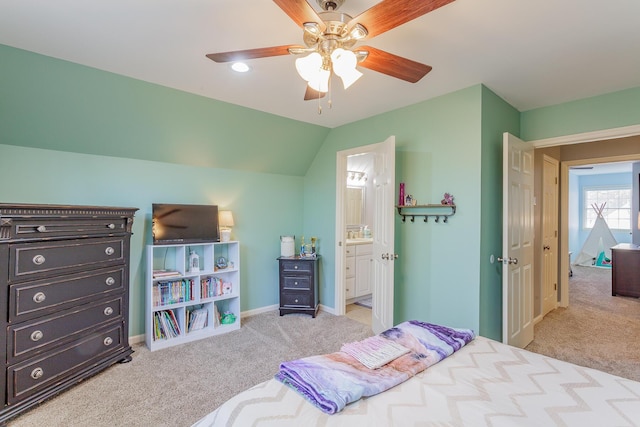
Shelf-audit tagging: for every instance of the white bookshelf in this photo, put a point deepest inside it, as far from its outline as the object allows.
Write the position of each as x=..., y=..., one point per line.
x=178, y=295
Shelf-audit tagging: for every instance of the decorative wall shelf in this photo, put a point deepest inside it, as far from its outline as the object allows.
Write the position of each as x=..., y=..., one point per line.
x=436, y=211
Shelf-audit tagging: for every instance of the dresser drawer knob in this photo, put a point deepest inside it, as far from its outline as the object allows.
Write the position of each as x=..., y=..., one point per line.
x=110, y=281
x=109, y=250
x=295, y=267
x=38, y=260
x=36, y=335
x=37, y=373
x=296, y=300
x=41, y=229
x=111, y=226
x=39, y=297
x=295, y=283
x=108, y=341
x=108, y=311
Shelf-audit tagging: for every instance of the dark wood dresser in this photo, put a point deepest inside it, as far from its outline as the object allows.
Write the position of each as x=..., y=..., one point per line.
x=65, y=298
x=299, y=285
x=625, y=270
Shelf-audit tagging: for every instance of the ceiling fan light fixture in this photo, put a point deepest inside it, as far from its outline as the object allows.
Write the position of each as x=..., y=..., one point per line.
x=309, y=65
x=320, y=81
x=344, y=65
x=358, y=32
x=312, y=28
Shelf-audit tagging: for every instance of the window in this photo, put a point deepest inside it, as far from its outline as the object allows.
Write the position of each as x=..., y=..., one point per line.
x=617, y=206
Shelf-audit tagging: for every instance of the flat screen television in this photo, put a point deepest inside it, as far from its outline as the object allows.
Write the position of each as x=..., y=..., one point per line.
x=176, y=224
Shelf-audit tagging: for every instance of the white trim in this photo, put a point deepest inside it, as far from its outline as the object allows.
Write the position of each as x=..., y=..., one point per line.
x=579, y=138
x=260, y=310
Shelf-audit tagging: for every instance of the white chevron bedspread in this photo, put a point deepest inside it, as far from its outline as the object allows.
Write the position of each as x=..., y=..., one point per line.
x=486, y=383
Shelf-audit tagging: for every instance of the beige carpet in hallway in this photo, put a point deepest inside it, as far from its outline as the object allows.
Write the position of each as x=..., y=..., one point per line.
x=597, y=330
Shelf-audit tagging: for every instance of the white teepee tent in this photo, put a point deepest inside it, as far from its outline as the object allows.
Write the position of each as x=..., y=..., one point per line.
x=597, y=248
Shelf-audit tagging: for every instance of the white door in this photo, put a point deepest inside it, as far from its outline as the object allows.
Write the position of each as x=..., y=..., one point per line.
x=549, y=235
x=383, y=234
x=517, y=242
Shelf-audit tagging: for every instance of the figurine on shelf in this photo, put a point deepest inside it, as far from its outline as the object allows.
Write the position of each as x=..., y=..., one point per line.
x=448, y=199
x=409, y=200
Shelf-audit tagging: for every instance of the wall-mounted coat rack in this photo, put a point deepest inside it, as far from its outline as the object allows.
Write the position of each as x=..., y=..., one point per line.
x=425, y=211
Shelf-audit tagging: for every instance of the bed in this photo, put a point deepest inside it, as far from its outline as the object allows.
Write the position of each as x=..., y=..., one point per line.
x=484, y=383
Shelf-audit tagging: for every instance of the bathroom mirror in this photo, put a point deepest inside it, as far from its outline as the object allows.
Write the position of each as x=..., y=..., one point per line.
x=355, y=206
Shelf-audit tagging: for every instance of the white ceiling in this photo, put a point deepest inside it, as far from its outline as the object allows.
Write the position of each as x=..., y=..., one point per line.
x=532, y=53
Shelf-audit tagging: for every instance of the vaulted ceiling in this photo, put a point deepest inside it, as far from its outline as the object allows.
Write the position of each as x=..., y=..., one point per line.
x=531, y=53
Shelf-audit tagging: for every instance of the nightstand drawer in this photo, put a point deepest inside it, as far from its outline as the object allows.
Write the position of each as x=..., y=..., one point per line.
x=296, y=266
x=28, y=378
x=37, y=298
x=295, y=299
x=41, y=334
x=33, y=259
x=296, y=282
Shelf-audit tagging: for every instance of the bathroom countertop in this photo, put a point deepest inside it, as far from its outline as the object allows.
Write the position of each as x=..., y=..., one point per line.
x=360, y=241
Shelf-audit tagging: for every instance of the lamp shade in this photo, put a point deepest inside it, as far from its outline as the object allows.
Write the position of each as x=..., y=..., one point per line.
x=344, y=65
x=225, y=219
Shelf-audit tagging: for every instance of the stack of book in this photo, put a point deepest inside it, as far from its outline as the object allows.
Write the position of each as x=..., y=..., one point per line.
x=197, y=319
x=165, y=325
x=158, y=274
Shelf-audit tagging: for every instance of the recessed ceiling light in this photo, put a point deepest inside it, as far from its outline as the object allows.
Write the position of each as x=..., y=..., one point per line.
x=240, y=67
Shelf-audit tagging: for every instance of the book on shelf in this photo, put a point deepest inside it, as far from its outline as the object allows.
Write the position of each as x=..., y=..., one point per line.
x=165, y=325
x=173, y=292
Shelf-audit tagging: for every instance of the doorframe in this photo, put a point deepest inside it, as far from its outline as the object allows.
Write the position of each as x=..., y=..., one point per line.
x=600, y=135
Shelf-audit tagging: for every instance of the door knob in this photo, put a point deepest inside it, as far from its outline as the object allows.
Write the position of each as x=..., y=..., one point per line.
x=546, y=247
x=508, y=260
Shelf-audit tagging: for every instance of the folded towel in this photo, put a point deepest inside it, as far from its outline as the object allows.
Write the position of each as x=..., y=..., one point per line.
x=374, y=352
x=334, y=380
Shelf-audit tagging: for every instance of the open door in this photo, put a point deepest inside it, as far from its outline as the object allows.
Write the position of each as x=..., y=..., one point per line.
x=384, y=157
x=517, y=242
x=383, y=234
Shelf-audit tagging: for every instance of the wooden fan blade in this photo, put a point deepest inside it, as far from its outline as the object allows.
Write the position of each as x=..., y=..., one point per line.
x=300, y=11
x=240, y=55
x=393, y=65
x=389, y=14
x=313, y=94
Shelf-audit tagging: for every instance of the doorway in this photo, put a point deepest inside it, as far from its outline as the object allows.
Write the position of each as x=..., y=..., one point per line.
x=381, y=229
x=582, y=149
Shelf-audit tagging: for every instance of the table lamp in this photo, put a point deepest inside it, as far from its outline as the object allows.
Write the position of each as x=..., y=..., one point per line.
x=225, y=220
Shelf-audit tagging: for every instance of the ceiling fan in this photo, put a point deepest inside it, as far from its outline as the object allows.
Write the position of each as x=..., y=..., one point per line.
x=330, y=39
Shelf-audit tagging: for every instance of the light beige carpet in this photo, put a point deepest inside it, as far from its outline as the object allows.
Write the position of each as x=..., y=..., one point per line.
x=179, y=385
x=596, y=330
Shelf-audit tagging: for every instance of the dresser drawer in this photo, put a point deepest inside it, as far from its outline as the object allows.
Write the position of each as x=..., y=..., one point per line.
x=296, y=282
x=42, y=334
x=37, y=298
x=296, y=299
x=49, y=258
x=296, y=266
x=67, y=227
x=34, y=375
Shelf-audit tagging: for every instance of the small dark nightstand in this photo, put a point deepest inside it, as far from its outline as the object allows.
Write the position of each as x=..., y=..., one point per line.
x=299, y=285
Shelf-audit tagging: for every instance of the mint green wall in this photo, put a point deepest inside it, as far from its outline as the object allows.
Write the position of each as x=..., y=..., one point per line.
x=497, y=117
x=264, y=206
x=607, y=111
x=438, y=145
x=58, y=105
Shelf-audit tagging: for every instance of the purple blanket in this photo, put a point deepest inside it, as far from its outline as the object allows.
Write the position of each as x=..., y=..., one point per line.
x=332, y=381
